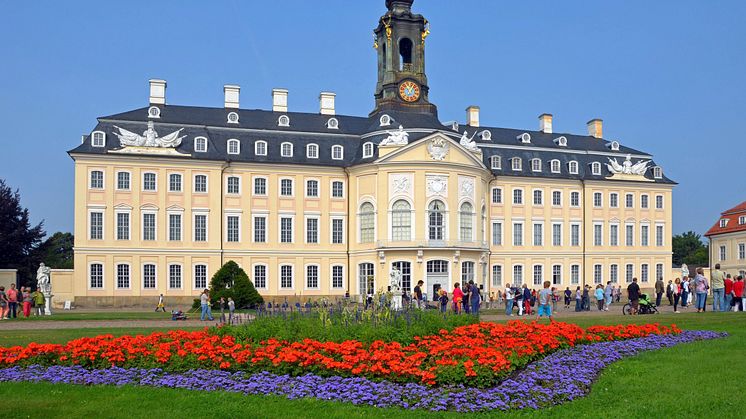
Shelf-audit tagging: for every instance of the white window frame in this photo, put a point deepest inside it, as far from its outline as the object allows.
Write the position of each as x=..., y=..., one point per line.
x=644, y=238
x=514, y=281
x=513, y=233
x=231, y=143
x=598, y=199
x=516, y=164
x=129, y=180
x=181, y=182
x=194, y=183
x=536, y=165
x=331, y=189
x=613, y=200
x=253, y=185
x=197, y=141
x=523, y=199
x=555, y=166
x=496, y=162
x=497, y=273
x=660, y=202
x=557, y=273
x=154, y=213
x=292, y=276
x=206, y=214
x=629, y=239
x=561, y=236
x=541, y=197
x=580, y=234
x=331, y=276
x=572, y=167
x=598, y=227
x=237, y=214
x=306, y=218
x=723, y=253
x=368, y=150
x=93, y=139
x=254, y=229
x=116, y=224
x=614, y=273
x=644, y=201
x=596, y=168
x=155, y=182
x=116, y=275
x=500, y=194
x=556, y=192
x=613, y=238
x=501, y=236
x=318, y=188
x=282, y=149
x=103, y=275
x=341, y=151
x=318, y=276
x=660, y=239
x=103, y=179
x=280, y=217
x=312, y=151
x=598, y=273
x=540, y=230
x=574, y=274
x=331, y=229
x=257, y=144
x=741, y=251
x=180, y=213
x=540, y=272
x=266, y=275
x=579, y=201
x=103, y=223
x=194, y=275
x=168, y=276
x=657, y=172
x=155, y=275
x=629, y=200
x=227, y=187
x=292, y=187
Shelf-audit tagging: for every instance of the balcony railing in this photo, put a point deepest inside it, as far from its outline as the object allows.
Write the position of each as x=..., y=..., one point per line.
x=480, y=245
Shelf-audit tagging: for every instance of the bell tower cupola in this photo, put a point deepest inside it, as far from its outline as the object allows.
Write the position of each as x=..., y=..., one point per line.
x=399, y=40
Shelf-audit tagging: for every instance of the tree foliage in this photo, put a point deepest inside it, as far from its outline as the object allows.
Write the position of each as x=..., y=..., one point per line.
x=688, y=248
x=18, y=239
x=56, y=251
x=231, y=281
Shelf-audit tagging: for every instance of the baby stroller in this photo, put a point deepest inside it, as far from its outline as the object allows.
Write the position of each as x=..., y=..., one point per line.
x=178, y=315
x=645, y=306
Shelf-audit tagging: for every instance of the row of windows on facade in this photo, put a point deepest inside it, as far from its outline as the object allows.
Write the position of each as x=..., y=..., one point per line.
x=538, y=274
x=233, y=184
x=538, y=199
x=740, y=252
x=260, y=278
x=233, y=146
x=557, y=238
x=232, y=228
x=555, y=166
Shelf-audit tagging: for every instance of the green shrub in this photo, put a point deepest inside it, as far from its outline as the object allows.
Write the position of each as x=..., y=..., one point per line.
x=231, y=281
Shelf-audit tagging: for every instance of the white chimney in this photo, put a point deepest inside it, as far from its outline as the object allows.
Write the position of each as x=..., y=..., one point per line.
x=472, y=116
x=157, y=91
x=545, y=123
x=595, y=128
x=231, y=92
x=279, y=100
x=326, y=102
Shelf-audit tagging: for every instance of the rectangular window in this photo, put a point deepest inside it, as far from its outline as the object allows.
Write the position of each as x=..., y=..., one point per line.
x=629, y=272
x=97, y=275
x=598, y=238
x=337, y=189
x=614, y=273
x=200, y=227
x=556, y=234
x=467, y=272
x=659, y=271
x=148, y=182
x=597, y=274
x=643, y=201
x=557, y=198
x=312, y=188
x=286, y=277
x=148, y=276
x=260, y=229
x=200, y=183
x=614, y=200
x=556, y=274
x=123, y=181
x=659, y=202
x=517, y=234
x=497, y=275
x=148, y=226
x=200, y=277
x=517, y=196
x=260, y=148
x=123, y=226
x=337, y=276
x=312, y=276
x=517, y=275
x=260, y=186
x=741, y=251
x=286, y=230
x=629, y=200
x=497, y=233
x=597, y=199
x=574, y=234
x=497, y=195
x=97, y=179
x=575, y=274
x=538, y=274
x=644, y=272
x=174, y=227
x=538, y=234
x=97, y=226
x=629, y=239
x=312, y=230
x=200, y=144
x=575, y=199
x=659, y=239
x=123, y=275
x=233, y=228
x=174, y=276
x=614, y=235
x=538, y=197
x=723, y=253
x=644, y=235
x=174, y=182
x=260, y=276
x=337, y=231
x=286, y=187
x=234, y=185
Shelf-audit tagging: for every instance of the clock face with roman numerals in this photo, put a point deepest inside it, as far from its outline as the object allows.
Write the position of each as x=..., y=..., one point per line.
x=409, y=91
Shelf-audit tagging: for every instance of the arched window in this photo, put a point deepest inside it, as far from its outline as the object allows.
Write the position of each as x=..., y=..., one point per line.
x=573, y=167
x=405, y=51
x=596, y=168
x=367, y=150
x=337, y=152
x=234, y=147
x=466, y=215
x=312, y=151
x=401, y=221
x=535, y=165
x=260, y=148
x=286, y=150
x=555, y=166
x=436, y=221
x=367, y=223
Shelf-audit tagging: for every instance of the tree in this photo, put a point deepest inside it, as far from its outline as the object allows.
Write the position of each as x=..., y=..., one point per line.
x=17, y=238
x=231, y=281
x=56, y=251
x=688, y=248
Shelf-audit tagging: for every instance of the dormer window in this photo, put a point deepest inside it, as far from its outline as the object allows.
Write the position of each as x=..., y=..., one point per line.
x=232, y=118
x=614, y=145
x=742, y=220
x=283, y=121
x=525, y=138
x=555, y=166
x=496, y=162
x=312, y=151
x=596, y=168
x=98, y=139
x=200, y=145
x=454, y=126
x=723, y=222
x=385, y=120
x=561, y=141
x=517, y=164
x=536, y=165
x=486, y=135
x=572, y=167
x=367, y=150
x=234, y=147
x=332, y=123
x=286, y=150
x=337, y=152
x=154, y=112
x=657, y=172
x=260, y=148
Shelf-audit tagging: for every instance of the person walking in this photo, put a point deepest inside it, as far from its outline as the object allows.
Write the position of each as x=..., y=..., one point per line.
x=568, y=297
x=465, y=303
x=204, y=300
x=599, y=294
x=231, y=310
x=578, y=300
x=739, y=294
x=508, y=300
x=587, y=298
x=475, y=297
x=39, y=302
x=633, y=293
x=701, y=287
x=443, y=300
x=728, y=300
x=458, y=298
x=161, y=305
x=660, y=288
x=12, y=301
x=608, y=295
x=676, y=292
x=717, y=282
x=684, y=292
x=518, y=292
x=26, y=299
x=221, y=304
x=3, y=304
x=418, y=295
x=526, y=300
x=669, y=292
x=544, y=308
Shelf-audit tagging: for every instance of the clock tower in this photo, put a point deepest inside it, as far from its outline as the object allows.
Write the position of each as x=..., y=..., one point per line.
x=399, y=40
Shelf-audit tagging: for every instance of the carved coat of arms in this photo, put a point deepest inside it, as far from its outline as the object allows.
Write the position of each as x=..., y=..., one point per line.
x=438, y=148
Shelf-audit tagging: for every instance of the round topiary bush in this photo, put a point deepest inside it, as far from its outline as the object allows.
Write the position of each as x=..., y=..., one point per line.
x=231, y=281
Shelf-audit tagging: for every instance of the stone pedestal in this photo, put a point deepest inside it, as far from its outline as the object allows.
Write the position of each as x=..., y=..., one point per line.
x=396, y=301
x=48, y=303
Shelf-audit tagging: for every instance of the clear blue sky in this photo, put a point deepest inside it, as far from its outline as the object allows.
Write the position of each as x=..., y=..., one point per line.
x=667, y=77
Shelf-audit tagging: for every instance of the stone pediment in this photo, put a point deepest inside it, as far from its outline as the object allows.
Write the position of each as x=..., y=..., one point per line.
x=435, y=148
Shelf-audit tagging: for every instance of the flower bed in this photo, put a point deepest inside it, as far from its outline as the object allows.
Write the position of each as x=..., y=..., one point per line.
x=477, y=355
x=557, y=378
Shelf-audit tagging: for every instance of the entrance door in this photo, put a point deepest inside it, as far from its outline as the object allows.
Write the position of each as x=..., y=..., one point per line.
x=437, y=273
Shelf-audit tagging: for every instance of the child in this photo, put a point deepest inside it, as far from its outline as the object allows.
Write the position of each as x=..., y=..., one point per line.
x=545, y=298
x=443, y=300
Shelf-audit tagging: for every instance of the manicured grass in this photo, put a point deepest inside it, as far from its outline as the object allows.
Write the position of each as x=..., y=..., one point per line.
x=24, y=337
x=702, y=379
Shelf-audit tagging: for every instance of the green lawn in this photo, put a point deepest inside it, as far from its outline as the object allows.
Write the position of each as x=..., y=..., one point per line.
x=703, y=379
x=97, y=315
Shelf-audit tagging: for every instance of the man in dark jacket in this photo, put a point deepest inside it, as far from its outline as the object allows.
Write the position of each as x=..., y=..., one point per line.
x=659, y=289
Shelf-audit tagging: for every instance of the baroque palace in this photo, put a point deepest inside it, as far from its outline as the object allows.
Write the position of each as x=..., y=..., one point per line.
x=319, y=204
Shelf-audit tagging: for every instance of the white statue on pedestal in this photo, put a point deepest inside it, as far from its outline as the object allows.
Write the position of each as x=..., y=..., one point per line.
x=44, y=284
x=395, y=284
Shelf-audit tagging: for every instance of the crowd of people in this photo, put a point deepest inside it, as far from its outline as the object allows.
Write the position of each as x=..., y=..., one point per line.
x=693, y=289
x=15, y=303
